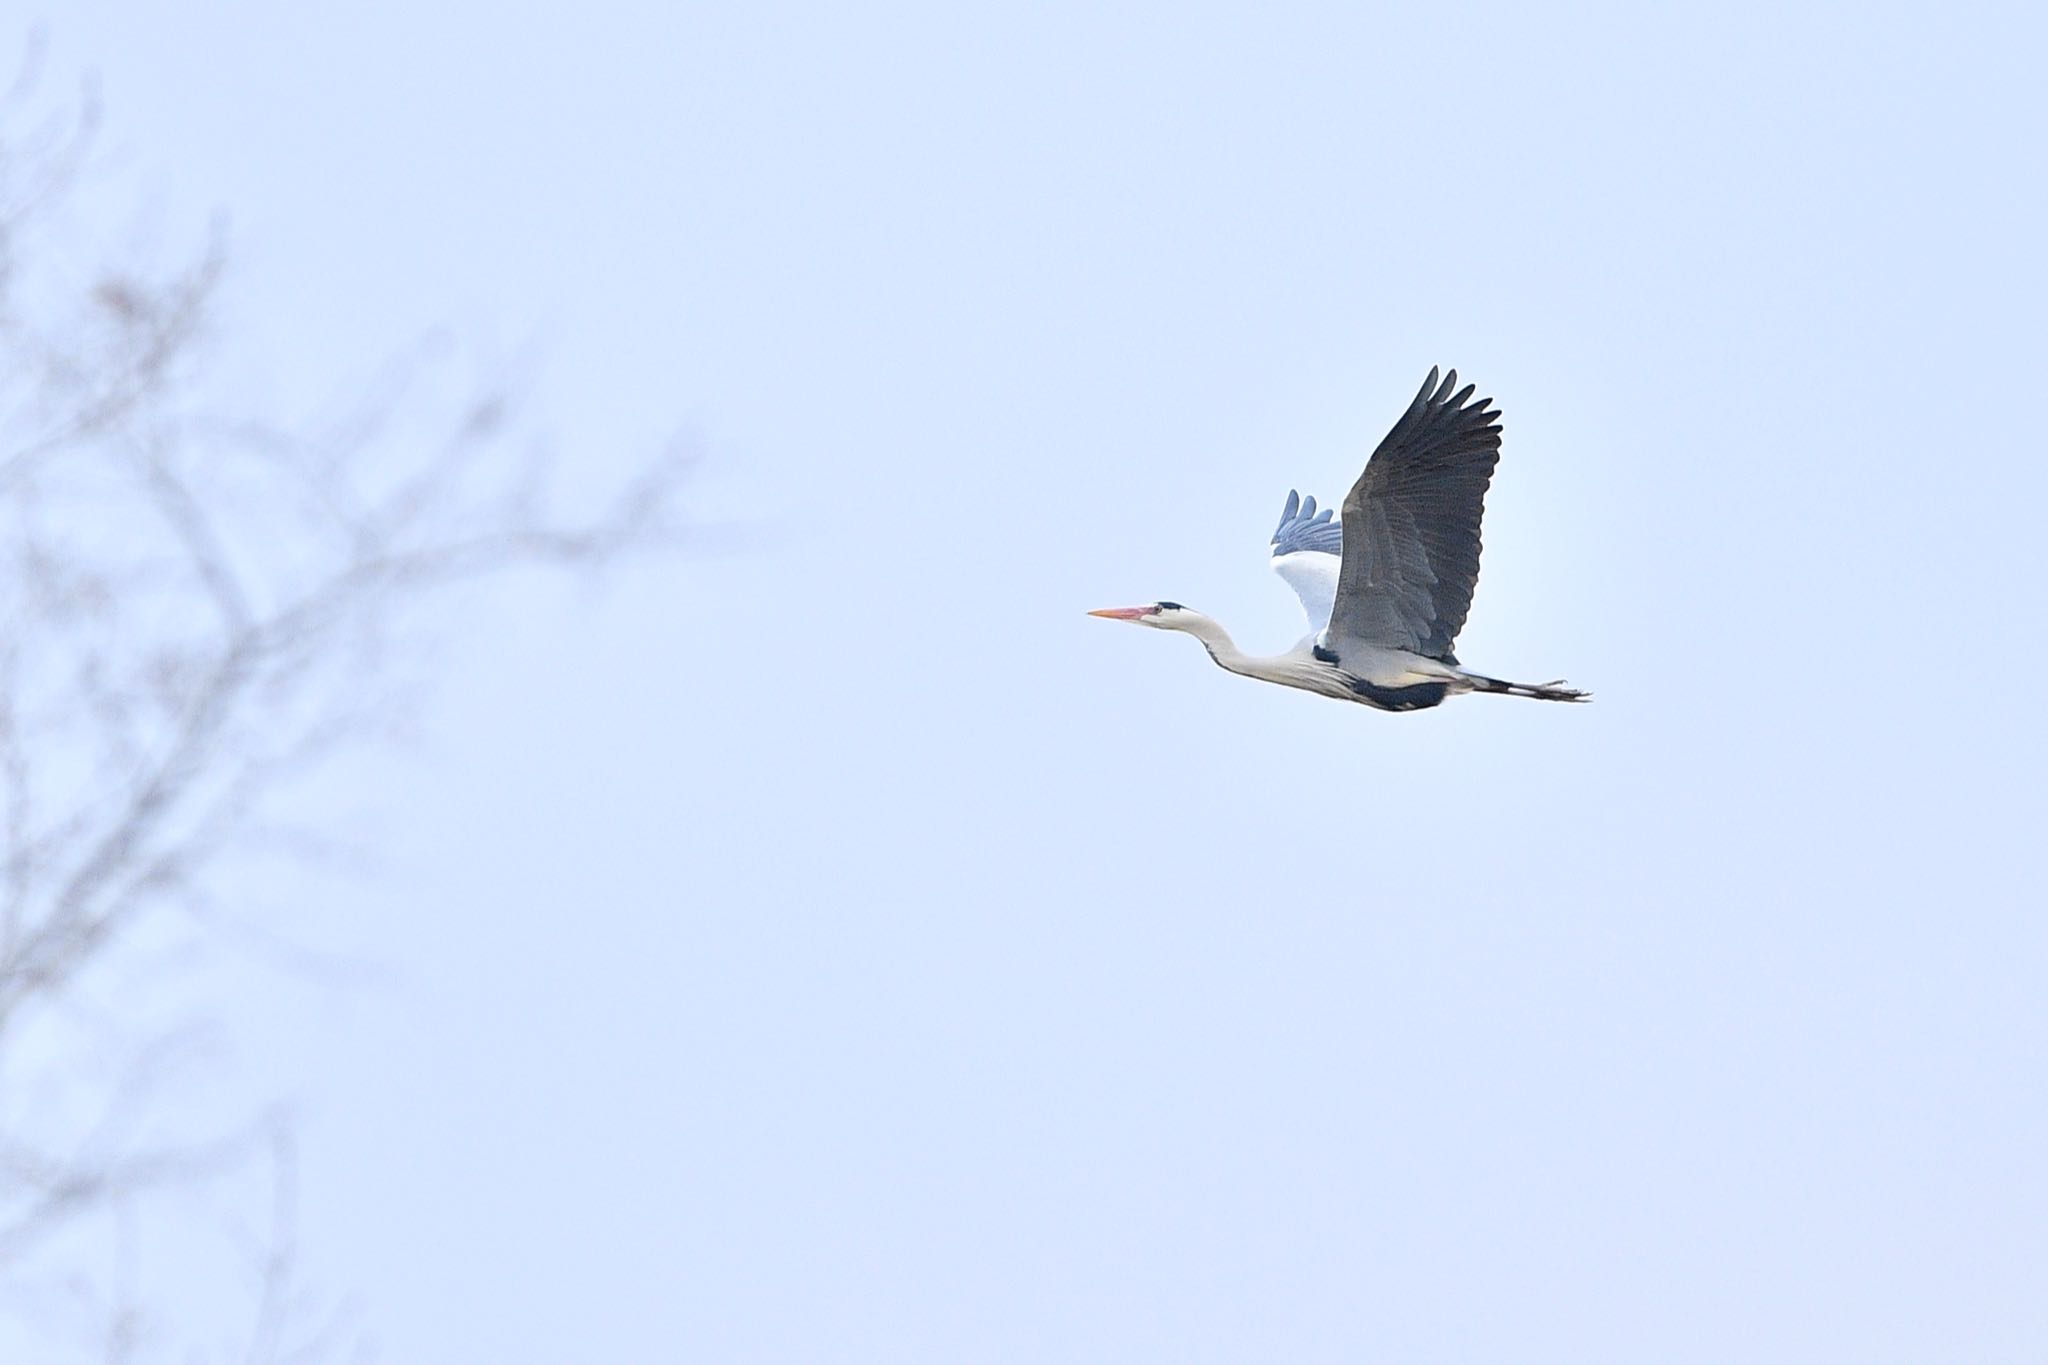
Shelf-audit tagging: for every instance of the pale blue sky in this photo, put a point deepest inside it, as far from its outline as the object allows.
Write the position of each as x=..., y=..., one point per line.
x=842, y=949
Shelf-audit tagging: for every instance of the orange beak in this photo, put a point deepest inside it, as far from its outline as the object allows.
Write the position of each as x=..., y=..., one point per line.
x=1126, y=613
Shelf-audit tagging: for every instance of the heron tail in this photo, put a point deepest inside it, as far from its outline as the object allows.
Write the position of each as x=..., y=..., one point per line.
x=1555, y=690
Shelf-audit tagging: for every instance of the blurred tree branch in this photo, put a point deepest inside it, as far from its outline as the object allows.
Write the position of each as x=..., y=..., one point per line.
x=195, y=609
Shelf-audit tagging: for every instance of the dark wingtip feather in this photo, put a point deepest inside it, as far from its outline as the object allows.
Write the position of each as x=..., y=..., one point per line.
x=1428, y=388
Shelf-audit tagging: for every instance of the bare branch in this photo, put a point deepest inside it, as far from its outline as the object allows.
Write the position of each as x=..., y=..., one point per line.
x=199, y=608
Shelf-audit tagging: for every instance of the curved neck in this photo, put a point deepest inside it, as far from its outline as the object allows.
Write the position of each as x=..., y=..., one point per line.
x=1215, y=639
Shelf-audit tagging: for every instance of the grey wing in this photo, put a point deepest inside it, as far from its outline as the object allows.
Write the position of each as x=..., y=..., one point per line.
x=1303, y=528
x=1306, y=546
x=1411, y=525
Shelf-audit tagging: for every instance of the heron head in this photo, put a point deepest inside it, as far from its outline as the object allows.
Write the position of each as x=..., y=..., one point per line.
x=1163, y=615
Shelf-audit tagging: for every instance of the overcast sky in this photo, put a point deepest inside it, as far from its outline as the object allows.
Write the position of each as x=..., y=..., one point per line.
x=834, y=946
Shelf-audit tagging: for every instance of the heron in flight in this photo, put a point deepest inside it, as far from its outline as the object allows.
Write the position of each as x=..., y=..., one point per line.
x=1387, y=588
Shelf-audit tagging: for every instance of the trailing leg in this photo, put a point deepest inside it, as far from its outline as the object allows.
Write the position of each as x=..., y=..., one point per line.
x=1554, y=690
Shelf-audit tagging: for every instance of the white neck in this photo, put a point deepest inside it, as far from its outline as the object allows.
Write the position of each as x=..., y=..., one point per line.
x=1216, y=640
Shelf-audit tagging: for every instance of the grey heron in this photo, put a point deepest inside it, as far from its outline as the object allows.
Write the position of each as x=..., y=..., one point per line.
x=1387, y=588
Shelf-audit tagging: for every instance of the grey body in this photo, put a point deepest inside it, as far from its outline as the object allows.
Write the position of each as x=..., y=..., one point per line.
x=1387, y=590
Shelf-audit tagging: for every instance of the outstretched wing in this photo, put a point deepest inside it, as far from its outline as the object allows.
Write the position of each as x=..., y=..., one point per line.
x=1307, y=547
x=1411, y=525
